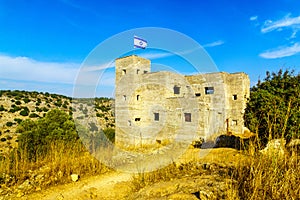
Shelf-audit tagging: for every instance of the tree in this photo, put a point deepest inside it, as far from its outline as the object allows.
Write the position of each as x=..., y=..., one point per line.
x=273, y=109
x=37, y=136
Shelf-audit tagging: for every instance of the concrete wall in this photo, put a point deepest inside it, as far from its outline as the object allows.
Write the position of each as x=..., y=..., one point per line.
x=139, y=95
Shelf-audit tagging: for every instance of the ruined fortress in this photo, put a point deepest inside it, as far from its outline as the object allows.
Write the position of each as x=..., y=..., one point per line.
x=158, y=107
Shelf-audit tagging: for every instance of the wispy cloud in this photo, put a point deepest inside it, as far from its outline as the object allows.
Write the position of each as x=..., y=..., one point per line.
x=99, y=67
x=253, y=18
x=157, y=55
x=286, y=22
x=27, y=69
x=214, y=44
x=281, y=52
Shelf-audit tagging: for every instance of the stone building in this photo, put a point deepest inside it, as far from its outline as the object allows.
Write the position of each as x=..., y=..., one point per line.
x=158, y=107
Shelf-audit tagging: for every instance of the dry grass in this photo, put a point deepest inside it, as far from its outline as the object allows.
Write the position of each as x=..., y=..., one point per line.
x=254, y=175
x=268, y=177
x=56, y=167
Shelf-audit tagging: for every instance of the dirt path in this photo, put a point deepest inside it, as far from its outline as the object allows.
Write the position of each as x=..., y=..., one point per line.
x=116, y=185
x=108, y=186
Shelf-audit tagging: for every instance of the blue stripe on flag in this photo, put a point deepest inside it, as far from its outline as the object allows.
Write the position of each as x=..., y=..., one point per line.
x=136, y=37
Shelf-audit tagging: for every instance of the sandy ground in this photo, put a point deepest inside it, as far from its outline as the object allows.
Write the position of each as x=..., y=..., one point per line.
x=116, y=185
x=108, y=186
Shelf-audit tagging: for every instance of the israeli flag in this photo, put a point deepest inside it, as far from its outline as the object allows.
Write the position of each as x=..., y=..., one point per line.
x=139, y=42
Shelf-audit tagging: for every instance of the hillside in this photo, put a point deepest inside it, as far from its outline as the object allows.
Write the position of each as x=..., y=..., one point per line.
x=17, y=106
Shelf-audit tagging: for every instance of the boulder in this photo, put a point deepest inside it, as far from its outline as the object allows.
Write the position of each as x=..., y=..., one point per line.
x=74, y=177
x=275, y=147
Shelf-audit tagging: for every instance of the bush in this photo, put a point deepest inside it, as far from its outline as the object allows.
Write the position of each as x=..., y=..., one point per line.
x=18, y=102
x=273, y=108
x=18, y=120
x=99, y=114
x=24, y=112
x=3, y=139
x=33, y=115
x=36, y=136
x=26, y=100
x=14, y=109
x=9, y=124
x=2, y=108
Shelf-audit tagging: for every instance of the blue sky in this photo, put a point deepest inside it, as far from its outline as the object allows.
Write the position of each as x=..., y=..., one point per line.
x=44, y=43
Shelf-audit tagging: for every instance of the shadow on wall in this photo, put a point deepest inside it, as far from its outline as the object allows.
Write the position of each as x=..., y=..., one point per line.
x=232, y=141
x=227, y=141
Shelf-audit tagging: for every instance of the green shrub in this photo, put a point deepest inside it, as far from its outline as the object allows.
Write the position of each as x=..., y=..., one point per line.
x=14, y=109
x=36, y=136
x=33, y=115
x=18, y=120
x=24, y=112
x=38, y=109
x=99, y=114
x=9, y=124
x=3, y=139
x=2, y=108
x=273, y=108
x=26, y=100
x=18, y=102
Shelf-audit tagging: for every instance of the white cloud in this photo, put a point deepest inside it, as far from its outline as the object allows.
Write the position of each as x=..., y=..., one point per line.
x=253, y=18
x=99, y=67
x=27, y=69
x=213, y=44
x=281, y=52
x=286, y=22
x=156, y=55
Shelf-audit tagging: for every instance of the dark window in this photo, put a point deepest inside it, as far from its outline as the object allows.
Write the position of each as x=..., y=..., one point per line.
x=209, y=90
x=234, y=122
x=234, y=97
x=137, y=71
x=187, y=117
x=137, y=97
x=137, y=119
x=124, y=96
x=129, y=122
x=156, y=116
x=176, y=90
x=124, y=71
x=198, y=94
x=145, y=72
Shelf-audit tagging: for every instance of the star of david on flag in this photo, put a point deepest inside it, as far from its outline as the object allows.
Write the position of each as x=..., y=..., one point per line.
x=139, y=42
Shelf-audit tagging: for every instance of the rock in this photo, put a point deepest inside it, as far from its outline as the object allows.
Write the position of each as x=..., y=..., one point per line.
x=26, y=185
x=275, y=147
x=74, y=177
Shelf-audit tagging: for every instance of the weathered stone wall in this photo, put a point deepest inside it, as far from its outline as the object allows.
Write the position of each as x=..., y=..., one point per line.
x=200, y=109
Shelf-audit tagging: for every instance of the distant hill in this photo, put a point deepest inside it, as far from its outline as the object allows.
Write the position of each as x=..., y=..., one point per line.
x=16, y=106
